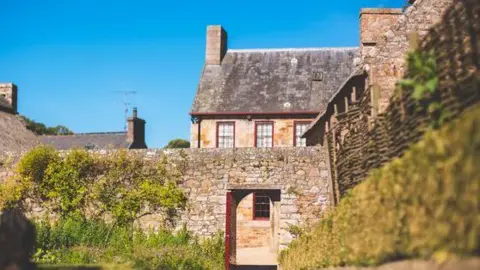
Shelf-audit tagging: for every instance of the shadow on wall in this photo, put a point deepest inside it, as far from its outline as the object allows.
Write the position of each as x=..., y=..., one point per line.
x=17, y=241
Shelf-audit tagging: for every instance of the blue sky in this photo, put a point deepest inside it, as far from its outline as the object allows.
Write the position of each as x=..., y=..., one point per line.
x=69, y=56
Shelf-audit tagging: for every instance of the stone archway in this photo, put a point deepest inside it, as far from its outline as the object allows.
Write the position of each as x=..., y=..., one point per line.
x=251, y=254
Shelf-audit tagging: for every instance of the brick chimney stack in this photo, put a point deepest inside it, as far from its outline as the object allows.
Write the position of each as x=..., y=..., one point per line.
x=374, y=23
x=9, y=95
x=216, y=45
x=136, y=131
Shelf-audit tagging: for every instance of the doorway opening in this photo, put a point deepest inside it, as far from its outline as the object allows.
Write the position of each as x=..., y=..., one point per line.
x=252, y=227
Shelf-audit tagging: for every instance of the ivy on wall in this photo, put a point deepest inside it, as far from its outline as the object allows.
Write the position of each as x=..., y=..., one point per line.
x=423, y=80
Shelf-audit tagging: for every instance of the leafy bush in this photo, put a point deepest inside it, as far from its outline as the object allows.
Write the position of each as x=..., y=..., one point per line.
x=425, y=204
x=423, y=80
x=73, y=241
x=78, y=184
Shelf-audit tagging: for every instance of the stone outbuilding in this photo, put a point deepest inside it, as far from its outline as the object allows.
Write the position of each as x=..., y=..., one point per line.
x=133, y=138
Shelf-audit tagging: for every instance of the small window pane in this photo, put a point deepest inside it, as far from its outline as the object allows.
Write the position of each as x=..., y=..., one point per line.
x=300, y=128
x=264, y=134
x=226, y=137
x=261, y=205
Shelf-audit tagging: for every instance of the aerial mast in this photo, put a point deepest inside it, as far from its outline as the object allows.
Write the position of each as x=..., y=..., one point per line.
x=126, y=103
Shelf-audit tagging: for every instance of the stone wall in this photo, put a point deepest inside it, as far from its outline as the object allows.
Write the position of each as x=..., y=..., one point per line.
x=300, y=175
x=374, y=23
x=386, y=63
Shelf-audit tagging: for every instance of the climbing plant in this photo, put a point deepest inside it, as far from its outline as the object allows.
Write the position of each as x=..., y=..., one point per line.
x=422, y=79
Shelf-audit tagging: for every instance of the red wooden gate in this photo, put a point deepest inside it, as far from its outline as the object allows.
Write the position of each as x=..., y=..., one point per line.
x=230, y=231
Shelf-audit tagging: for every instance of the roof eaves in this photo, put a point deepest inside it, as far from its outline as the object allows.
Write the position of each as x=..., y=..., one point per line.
x=252, y=113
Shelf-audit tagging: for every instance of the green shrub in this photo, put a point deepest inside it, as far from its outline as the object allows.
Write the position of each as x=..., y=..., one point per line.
x=425, y=204
x=78, y=184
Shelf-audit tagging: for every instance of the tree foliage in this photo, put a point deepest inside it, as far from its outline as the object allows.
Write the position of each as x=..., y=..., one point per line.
x=42, y=129
x=178, y=143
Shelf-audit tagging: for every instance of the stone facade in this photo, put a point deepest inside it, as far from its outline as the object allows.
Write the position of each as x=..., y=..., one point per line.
x=374, y=22
x=248, y=85
x=300, y=175
x=283, y=132
x=386, y=63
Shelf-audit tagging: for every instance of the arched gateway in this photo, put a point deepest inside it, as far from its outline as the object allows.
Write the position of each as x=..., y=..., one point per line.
x=252, y=226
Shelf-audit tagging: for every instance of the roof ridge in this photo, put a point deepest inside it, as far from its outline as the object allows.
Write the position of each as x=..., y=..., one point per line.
x=89, y=133
x=294, y=49
x=100, y=133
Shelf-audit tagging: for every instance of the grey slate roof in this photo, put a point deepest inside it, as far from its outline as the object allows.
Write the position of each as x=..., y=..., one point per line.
x=106, y=140
x=272, y=80
x=14, y=136
x=319, y=119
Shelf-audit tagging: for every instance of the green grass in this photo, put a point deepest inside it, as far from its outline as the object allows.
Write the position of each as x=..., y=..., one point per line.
x=73, y=243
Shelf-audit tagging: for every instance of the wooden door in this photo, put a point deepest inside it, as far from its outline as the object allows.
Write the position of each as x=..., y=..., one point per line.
x=230, y=231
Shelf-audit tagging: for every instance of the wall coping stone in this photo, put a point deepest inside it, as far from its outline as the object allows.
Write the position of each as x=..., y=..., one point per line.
x=381, y=11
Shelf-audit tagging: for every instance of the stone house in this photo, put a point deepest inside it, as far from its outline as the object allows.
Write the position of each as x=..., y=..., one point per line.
x=263, y=97
x=133, y=138
x=14, y=136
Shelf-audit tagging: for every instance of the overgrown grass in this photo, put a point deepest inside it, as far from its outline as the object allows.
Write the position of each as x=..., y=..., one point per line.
x=76, y=242
x=425, y=204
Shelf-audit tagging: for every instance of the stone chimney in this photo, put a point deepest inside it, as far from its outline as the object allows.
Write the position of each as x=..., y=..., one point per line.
x=374, y=23
x=8, y=96
x=136, y=131
x=216, y=45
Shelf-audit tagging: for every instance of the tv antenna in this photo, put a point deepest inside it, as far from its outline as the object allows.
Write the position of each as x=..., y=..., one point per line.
x=126, y=103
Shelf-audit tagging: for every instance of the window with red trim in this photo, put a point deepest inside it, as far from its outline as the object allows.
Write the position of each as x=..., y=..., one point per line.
x=264, y=134
x=261, y=206
x=226, y=134
x=300, y=128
